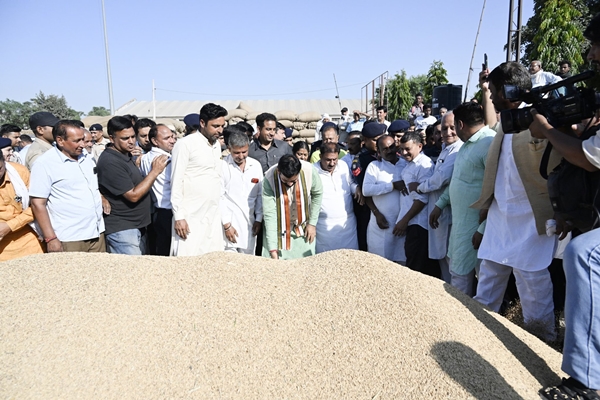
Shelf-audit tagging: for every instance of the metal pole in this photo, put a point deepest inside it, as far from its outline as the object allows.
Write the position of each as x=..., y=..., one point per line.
x=153, y=101
x=518, y=47
x=110, y=92
x=338, y=93
x=473, y=54
x=509, y=41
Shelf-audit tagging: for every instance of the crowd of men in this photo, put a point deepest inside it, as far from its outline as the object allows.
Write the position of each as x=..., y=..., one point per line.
x=453, y=196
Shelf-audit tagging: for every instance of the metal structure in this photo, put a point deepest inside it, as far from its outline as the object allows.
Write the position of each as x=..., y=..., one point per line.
x=514, y=46
x=110, y=91
x=473, y=54
x=370, y=98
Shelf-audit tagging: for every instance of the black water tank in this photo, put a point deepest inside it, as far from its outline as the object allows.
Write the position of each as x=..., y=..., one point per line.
x=448, y=96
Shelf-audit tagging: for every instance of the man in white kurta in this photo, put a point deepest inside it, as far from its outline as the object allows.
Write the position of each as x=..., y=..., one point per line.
x=196, y=187
x=379, y=184
x=434, y=187
x=412, y=221
x=336, y=227
x=241, y=201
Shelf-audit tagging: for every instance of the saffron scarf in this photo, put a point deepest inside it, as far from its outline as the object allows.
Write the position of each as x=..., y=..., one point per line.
x=285, y=226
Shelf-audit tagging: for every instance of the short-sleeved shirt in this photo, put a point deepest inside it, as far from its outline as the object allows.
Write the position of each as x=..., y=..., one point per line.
x=118, y=174
x=268, y=158
x=71, y=189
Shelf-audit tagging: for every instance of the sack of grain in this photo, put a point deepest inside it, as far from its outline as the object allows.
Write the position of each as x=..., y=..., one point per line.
x=311, y=125
x=244, y=106
x=287, y=123
x=295, y=134
x=252, y=115
x=300, y=125
x=309, y=116
x=236, y=113
x=307, y=133
x=235, y=120
x=286, y=114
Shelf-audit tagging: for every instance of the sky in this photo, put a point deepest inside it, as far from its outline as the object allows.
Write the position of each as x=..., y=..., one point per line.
x=233, y=49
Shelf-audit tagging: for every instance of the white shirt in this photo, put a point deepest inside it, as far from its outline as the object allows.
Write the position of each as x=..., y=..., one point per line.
x=71, y=187
x=543, y=78
x=418, y=170
x=511, y=236
x=422, y=122
x=23, y=153
x=161, y=188
x=591, y=149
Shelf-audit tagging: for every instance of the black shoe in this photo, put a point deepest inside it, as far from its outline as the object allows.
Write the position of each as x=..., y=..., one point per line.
x=569, y=389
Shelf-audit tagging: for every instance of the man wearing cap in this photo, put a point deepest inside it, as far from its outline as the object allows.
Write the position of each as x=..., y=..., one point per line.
x=288, y=136
x=100, y=141
x=354, y=141
x=8, y=151
x=397, y=130
x=41, y=124
x=362, y=208
x=265, y=148
x=17, y=236
x=330, y=134
x=192, y=123
x=64, y=194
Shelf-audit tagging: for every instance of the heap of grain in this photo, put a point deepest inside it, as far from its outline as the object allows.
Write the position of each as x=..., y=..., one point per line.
x=343, y=324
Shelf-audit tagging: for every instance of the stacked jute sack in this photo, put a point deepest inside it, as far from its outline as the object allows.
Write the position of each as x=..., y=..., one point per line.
x=304, y=124
x=342, y=325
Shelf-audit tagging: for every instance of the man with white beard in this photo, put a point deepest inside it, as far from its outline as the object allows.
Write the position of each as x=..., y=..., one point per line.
x=434, y=186
x=382, y=183
x=336, y=227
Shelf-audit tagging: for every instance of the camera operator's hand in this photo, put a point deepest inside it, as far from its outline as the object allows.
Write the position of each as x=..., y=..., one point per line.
x=483, y=79
x=539, y=126
x=562, y=227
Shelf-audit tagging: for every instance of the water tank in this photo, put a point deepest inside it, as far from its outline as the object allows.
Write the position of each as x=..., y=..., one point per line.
x=448, y=96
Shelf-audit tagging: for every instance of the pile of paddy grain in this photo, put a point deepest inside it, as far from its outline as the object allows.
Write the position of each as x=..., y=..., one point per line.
x=343, y=324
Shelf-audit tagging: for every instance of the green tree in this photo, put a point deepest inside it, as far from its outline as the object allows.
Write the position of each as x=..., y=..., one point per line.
x=417, y=84
x=399, y=96
x=555, y=32
x=99, y=112
x=56, y=105
x=436, y=76
x=14, y=112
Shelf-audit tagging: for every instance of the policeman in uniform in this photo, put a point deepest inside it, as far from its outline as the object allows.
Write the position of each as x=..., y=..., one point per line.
x=372, y=130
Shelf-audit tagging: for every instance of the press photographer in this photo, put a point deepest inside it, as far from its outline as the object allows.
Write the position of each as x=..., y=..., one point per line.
x=516, y=199
x=581, y=260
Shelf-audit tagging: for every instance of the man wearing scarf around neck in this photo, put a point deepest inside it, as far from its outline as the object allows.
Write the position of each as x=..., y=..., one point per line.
x=292, y=195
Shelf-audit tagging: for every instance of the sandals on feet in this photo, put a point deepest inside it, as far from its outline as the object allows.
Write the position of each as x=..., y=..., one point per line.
x=569, y=389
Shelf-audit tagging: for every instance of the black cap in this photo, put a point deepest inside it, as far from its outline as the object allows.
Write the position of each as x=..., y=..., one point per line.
x=373, y=129
x=399, y=125
x=191, y=120
x=42, y=118
x=5, y=142
x=95, y=127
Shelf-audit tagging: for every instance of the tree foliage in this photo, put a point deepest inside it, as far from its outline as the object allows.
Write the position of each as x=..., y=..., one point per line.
x=399, y=96
x=436, y=76
x=555, y=32
x=14, y=112
x=99, y=111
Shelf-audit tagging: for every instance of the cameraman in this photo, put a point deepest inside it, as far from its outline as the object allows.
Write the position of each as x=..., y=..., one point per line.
x=581, y=353
x=515, y=197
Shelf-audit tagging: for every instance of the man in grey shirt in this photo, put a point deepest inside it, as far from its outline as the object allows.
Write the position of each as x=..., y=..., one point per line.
x=265, y=148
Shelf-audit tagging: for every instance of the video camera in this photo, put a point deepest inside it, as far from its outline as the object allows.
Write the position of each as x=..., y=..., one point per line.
x=560, y=111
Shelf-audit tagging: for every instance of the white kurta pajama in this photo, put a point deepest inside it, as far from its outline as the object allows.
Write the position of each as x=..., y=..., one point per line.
x=195, y=195
x=336, y=227
x=241, y=202
x=434, y=186
x=378, y=185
